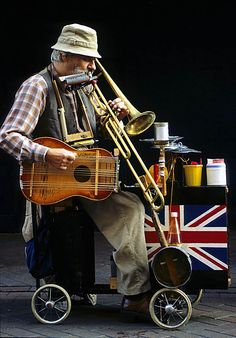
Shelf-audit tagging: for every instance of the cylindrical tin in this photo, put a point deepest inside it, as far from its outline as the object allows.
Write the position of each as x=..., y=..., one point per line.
x=161, y=132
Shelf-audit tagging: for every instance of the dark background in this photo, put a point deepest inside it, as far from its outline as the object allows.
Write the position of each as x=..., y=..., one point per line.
x=175, y=58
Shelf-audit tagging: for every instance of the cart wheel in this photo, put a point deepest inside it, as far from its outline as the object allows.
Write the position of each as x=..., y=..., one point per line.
x=170, y=308
x=51, y=304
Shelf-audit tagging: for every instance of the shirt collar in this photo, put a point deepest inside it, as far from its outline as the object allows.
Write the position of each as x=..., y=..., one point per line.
x=55, y=76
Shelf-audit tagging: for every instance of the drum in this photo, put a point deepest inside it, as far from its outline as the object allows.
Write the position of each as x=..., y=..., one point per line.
x=172, y=266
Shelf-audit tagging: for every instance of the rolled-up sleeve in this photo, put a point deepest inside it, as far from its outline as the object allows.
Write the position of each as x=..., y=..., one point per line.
x=29, y=104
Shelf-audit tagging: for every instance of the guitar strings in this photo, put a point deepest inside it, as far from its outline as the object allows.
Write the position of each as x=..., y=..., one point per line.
x=83, y=186
x=105, y=187
x=61, y=172
x=43, y=174
x=49, y=177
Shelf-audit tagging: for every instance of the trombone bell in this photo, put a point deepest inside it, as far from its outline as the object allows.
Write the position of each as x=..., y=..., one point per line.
x=140, y=122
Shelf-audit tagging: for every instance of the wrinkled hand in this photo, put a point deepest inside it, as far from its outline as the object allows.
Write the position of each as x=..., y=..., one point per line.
x=60, y=158
x=119, y=106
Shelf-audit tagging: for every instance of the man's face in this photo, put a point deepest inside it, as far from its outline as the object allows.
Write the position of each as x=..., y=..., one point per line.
x=79, y=63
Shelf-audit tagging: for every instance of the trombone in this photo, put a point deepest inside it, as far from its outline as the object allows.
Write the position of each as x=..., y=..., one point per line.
x=171, y=265
x=138, y=123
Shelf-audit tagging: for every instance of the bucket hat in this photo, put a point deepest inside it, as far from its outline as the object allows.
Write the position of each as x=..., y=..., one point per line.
x=78, y=39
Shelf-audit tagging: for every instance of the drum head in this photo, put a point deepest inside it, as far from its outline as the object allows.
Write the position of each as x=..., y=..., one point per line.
x=172, y=266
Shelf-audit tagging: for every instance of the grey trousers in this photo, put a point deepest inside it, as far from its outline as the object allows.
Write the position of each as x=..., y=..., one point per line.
x=120, y=218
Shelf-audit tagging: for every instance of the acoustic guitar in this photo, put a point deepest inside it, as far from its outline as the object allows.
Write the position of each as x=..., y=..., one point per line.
x=93, y=175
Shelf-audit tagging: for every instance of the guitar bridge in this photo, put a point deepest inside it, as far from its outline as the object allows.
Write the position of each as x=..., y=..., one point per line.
x=117, y=172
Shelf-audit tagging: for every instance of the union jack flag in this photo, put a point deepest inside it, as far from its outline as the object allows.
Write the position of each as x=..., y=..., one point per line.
x=203, y=232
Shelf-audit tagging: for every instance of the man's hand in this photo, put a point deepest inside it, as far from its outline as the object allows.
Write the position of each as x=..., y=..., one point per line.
x=60, y=158
x=119, y=106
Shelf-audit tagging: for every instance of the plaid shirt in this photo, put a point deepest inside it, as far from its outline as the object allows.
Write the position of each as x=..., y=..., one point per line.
x=29, y=104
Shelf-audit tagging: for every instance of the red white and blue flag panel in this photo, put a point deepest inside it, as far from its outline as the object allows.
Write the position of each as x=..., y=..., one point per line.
x=203, y=231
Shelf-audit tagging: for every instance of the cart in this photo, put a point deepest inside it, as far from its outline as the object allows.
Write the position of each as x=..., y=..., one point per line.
x=204, y=232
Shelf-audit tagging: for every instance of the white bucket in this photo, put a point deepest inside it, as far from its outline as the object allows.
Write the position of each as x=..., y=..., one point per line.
x=216, y=172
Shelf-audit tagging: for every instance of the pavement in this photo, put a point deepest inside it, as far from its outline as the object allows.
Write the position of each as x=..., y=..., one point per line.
x=214, y=315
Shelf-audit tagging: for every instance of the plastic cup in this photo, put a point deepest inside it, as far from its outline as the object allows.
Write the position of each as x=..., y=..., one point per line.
x=193, y=175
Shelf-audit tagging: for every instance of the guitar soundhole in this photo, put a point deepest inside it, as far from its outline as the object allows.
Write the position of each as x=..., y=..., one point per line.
x=82, y=173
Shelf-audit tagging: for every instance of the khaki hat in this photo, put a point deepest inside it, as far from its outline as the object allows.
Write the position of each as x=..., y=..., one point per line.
x=78, y=39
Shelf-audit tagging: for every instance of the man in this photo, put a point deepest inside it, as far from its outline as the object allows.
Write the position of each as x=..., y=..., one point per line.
x=35, y=114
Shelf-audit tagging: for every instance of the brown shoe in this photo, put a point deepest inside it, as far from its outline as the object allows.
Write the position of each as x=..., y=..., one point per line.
x=135, y=308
